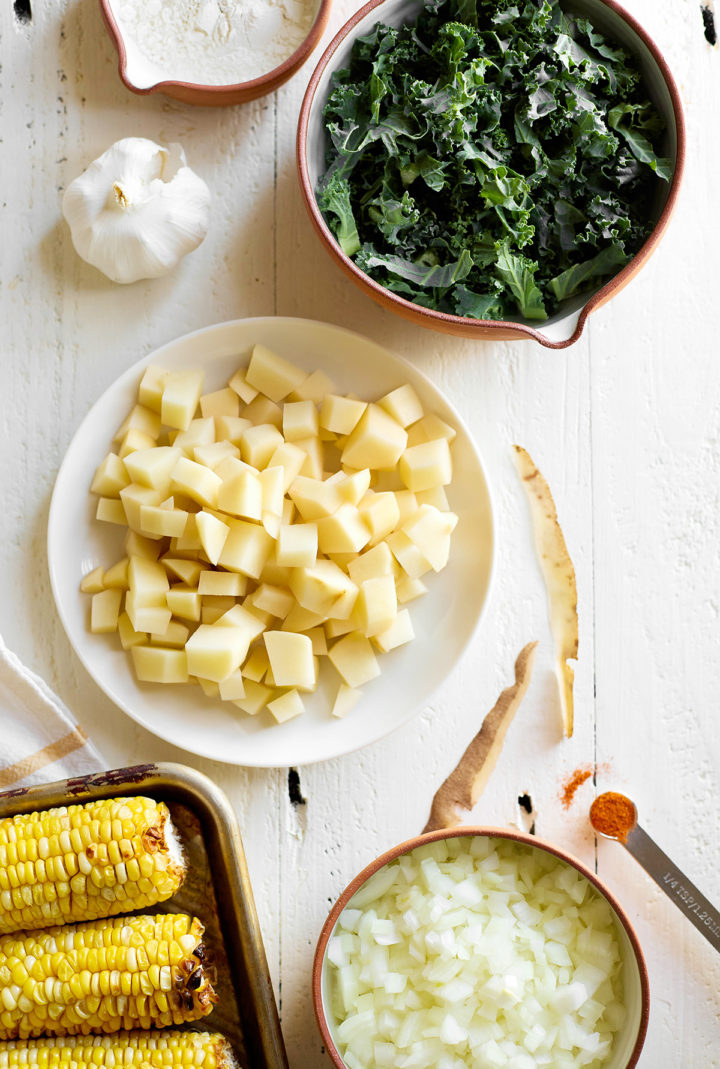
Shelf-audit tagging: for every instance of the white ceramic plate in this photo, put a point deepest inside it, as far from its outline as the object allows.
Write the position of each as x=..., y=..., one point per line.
x=444, y=619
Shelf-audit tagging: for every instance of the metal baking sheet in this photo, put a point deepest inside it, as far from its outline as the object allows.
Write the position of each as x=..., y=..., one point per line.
x=216, y=889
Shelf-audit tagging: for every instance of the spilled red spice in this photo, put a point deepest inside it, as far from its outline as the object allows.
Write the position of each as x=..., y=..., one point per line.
x=613, y=814
x=571, y=784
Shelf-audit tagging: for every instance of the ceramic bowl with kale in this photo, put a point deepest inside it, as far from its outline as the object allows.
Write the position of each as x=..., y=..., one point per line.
x=491, y=168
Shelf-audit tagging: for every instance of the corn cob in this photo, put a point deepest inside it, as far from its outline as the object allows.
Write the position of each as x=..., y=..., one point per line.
x=80, y=862
x=131, y=1050
x=126, y=972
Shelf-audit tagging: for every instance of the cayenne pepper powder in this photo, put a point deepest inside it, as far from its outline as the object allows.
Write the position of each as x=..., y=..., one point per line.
x=614, y=815
x=571, y=784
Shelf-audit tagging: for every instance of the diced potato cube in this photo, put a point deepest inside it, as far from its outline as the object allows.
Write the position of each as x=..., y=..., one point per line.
x=263, y=410
x=221, y=584
x=230, y=429
x=189, y=541
x=140, y=419
x=407, y=505
x=344, y=532
x=256, y=697
x=150, y=618
x=314, y=459
x=272, y=483
x=136, y=545
x=151, y=387
x=313, y=498
x=300, y=619
x=380, y=513
x=297, y=545
x=188, y=571
x=430, y=531
x=246, y=549
x=403, y=404
x=180, y=396
x=430, y=428
x=153, y=664
x=200, y=432
x=300, y=420
x=426, y=465
x=436, y=496
x=376, y=605
x=288, y=512
x=321, y=587
x=345, y=699
x=375, y=562
x=275, y=574
x=220, y=403
x=129, y=637
x=157, y=522
x=213, y=534
x=174, y=636
x=215, y=607
x=209, y=687
x=148, y=579
x=286, y=706
x=199, y=483
x=354, y=659
x=398, y=633
x=258, y=443
x=408, y=589
x=232, y=688
x=407, y=554
x=243, y=620
x=378, y=441
x=153, y=467
x=110, y=477
x=110, y=510
x=291, y=459
x=117, y=575
x=133, y=497
x=215, y=652
x=272, y=599
x=341, y=414
x=271, y=374
x=239, y=384
x=291, y=659
x=104, y=611
x=313, y=388
x=212, y=455
x=335, y=628
x=92, y=583
x=352, y=488
x=257, y=664
x=184, y=602
x=319, y=641
x=134, y=439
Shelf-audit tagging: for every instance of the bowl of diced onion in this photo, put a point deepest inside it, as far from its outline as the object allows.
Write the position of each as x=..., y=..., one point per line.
x=479, y=947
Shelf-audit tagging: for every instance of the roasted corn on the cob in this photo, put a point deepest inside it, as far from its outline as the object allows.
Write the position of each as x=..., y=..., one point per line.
x=80, y=862
x=129, y=1050
x=126, y=972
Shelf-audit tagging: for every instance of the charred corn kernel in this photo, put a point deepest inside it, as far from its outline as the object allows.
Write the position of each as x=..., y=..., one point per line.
x=92, y=978
x=131, y=1050
x=81, y=862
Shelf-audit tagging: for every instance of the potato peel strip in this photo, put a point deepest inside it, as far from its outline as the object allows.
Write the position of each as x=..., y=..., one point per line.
x=463, y=787
x=559, y=575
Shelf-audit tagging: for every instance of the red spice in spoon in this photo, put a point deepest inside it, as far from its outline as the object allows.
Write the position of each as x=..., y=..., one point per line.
x=614, y=815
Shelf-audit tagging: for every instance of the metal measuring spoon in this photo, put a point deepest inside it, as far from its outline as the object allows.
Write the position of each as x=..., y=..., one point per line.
x=626, y=830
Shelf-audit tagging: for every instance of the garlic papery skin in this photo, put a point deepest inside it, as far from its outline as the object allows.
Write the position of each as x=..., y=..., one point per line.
x=137, y=210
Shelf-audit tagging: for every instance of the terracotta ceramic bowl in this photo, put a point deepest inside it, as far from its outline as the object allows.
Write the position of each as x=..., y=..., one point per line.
x=631, y=1036
x=139, y=78
x=564, y=328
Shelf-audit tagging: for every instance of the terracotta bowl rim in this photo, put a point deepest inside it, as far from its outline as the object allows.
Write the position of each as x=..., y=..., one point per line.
x=463, y=325
x=253, y=87
x=491, y=832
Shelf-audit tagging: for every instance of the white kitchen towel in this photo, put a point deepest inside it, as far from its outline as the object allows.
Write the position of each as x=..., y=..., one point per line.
x=40, y=740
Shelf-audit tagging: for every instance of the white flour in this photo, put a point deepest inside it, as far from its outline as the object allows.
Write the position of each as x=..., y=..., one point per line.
x=214, y=42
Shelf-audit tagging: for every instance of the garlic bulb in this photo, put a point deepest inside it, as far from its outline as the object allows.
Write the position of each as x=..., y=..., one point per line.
x=137, y=210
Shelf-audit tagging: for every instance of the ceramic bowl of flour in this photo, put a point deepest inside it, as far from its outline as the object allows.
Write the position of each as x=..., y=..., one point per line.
x=216, y=52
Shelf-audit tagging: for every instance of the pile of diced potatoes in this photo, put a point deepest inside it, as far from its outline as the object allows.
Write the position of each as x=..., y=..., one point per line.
x=271, y=523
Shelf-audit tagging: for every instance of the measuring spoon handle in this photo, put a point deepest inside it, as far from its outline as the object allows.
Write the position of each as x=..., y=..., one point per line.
x=675, y=884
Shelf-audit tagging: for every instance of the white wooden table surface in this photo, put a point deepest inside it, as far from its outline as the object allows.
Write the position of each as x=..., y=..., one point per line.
x=625, y=425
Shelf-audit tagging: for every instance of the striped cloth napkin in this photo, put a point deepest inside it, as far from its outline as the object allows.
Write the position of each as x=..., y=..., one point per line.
x=40, y=740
